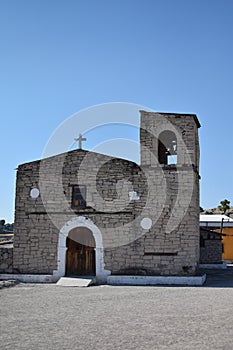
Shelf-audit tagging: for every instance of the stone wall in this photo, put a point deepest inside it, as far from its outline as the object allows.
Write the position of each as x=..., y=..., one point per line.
x=210, y=247
x=38, y=221
x=6, y=260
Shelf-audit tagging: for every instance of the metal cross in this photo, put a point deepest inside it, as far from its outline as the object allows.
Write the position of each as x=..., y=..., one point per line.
x=79, y=140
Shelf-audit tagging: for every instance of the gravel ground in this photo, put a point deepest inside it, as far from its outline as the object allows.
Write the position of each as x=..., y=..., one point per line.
x=36, y=316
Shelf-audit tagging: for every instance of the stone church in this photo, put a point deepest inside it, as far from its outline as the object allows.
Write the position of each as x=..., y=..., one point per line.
x=82, y=213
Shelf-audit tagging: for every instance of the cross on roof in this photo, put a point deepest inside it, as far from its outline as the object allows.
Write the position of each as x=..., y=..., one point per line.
x=80, y=139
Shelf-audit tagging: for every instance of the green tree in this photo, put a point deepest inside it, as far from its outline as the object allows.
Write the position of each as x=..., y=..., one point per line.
x=2, y=223
x=224, y=206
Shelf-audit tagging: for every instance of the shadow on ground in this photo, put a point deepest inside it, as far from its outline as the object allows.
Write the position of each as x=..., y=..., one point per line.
x=219, y=278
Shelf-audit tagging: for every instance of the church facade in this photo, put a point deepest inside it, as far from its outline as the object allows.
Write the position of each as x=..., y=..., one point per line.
x=89, y=214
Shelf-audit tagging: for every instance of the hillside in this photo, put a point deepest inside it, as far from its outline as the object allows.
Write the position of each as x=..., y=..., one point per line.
x=229, y=212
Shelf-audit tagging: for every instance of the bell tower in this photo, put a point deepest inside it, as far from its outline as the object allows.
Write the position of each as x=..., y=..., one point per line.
x=170, y=160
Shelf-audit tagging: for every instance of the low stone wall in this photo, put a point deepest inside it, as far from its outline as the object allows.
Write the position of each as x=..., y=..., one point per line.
x=6, y=260
x=210, y=247
x=211, y=253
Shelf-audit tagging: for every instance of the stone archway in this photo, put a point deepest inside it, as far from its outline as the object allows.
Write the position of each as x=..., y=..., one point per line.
x=101, y=273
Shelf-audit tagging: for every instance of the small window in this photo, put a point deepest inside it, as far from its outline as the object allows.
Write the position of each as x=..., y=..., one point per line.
x=167, y=148
x=78, y=197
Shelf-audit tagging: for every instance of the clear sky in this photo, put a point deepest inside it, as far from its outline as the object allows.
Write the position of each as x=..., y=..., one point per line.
x=60, y=56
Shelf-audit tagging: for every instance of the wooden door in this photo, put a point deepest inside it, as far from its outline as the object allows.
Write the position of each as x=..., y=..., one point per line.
x=80, y=259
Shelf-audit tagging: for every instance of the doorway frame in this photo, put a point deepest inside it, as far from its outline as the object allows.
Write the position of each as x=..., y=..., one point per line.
x=81, y=221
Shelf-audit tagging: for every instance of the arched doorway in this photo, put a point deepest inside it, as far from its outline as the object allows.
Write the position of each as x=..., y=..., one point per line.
x=80, y=253
x=81, y=221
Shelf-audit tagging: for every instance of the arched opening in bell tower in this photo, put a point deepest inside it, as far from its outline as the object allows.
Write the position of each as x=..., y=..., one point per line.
x=167, y=148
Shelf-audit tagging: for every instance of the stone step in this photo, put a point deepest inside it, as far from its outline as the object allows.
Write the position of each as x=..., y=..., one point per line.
x=76, y=281
x=120, y=280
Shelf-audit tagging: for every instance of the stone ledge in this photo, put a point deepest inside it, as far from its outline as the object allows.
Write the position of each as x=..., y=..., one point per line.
x=156, y=280
x=28, y=278
x=223, y=265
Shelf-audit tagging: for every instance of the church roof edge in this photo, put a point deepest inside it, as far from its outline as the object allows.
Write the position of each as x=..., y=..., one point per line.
x=178, y=114
x=74, y=151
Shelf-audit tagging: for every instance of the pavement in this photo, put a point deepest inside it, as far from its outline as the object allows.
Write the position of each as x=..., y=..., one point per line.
x=221, y=278
x=37, y=316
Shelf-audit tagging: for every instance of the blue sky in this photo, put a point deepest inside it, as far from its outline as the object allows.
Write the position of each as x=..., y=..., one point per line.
x=58, y=57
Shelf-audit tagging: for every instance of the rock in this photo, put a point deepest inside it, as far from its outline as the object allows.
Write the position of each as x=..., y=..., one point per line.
x=8, y=283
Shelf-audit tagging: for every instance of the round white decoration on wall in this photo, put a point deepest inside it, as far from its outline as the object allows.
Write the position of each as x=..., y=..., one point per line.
x=146, y=223
x=34, y=193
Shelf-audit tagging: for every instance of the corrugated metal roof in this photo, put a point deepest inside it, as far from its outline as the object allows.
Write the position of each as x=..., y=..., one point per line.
x=215, y=218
